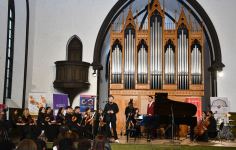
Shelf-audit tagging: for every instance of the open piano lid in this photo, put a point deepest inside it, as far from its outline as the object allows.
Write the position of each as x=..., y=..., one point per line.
x=165, y=107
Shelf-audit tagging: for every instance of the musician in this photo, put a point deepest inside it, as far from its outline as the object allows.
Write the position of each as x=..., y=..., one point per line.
x=41, y=117
x=129, y=113
x=26, y=124
x=77, y=121
x=68, y=116
x=211, y=129
x=26, y=118
x=110, y=110
x=60, y=118
x=100, y=123
x=88, y=121
x=150, y=119
x=49, y=118
x=150, y=106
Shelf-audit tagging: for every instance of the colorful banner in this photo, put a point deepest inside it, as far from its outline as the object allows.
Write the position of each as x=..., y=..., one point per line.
x=87, y=101
x=198, y=103
x=37, y=100
x=60, y=100
x=220, y=109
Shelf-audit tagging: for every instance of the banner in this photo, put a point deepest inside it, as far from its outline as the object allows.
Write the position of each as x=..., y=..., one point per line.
x=198, y=103
x=37, y=100
x=87, y=101
x=60, y=100
x=220, y=109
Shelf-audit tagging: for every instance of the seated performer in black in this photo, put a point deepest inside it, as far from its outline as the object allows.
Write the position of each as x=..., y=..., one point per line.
x=41, y=118
x=100, y=123
x=110, y=111
x=211, y=129
x=88, y=122
x=60, y=118
x=77, y=122
x=129, y=113
x=68, y=117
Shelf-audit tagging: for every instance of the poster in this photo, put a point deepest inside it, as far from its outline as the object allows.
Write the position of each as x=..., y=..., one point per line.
x=60, y=100
x=198, y=103
x=220, y=109
x=37, y=100
x=87, y=101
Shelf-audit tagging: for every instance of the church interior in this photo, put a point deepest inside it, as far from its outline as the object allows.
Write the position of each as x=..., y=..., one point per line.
x=111, y=74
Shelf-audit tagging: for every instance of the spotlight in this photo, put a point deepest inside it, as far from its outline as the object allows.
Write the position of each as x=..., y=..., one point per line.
x=94, y=73
x=220, y=74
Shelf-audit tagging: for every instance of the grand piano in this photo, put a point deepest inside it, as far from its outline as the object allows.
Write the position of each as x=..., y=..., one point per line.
x=174, y=113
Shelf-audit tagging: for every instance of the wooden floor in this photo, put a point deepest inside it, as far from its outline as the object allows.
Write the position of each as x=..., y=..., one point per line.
x=181, y=141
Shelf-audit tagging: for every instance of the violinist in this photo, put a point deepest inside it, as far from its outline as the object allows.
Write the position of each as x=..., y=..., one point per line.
x=77, y=121
x=26, y=118
x=49, y=118
x=99, y=127
x=60, y=118
x=26, y=124
x=68, y=116
x=88, y=120
x=41, y=117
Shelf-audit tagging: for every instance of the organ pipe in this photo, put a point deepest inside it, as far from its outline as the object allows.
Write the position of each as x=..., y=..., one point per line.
x=116, y=64
x=142, y=65
x=156, y=54
x=169, y=65
x=196, y=65
x=182, y=60
x=129, y=59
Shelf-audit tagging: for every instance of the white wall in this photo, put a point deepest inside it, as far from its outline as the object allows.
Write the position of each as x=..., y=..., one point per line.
x=54, y=23
x=222, y=14
x=3, y=43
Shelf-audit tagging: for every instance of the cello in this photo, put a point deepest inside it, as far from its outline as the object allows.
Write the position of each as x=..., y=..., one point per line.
x=201, y=128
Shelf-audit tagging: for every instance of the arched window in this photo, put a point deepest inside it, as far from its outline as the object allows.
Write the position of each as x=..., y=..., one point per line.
x=9, y=50
x=74, y=49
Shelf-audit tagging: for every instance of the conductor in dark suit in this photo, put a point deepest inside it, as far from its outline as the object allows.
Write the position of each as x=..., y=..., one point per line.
x=110, y=110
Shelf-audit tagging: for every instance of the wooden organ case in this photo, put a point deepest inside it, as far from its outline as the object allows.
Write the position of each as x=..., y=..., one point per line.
x=159, y=57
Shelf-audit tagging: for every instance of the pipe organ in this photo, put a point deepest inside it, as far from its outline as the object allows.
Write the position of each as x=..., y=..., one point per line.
x=165, y=56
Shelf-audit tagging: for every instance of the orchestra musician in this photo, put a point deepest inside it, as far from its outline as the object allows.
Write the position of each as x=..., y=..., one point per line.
x=206, y=128
x=100, y=123
x=211, y=129
x=77, y=121
x=41, y=117
x=68, y=117
x=129, y=113
x=88, y=122
x=49, y=118
x=110, y=110
x=60, y=118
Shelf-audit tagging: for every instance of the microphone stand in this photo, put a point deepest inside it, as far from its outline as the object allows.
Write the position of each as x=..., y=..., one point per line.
x=172, y=125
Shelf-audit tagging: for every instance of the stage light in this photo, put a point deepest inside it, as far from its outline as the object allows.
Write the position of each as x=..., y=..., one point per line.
x=220, y=74
x=94, y=73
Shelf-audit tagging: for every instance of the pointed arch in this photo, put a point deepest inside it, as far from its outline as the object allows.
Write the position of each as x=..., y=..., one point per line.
x=74, y=49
